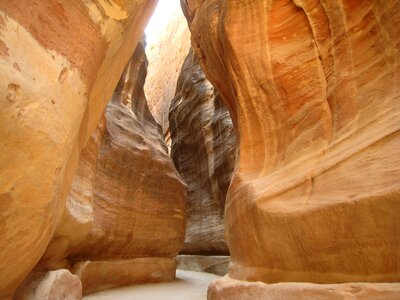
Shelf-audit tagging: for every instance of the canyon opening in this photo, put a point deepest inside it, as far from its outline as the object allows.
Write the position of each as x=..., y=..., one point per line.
x=199, y=149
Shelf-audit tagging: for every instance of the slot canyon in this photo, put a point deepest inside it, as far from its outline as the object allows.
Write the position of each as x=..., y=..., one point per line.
x=200, y=149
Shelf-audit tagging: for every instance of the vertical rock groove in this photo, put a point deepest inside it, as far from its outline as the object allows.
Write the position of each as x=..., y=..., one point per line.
x=203, y=150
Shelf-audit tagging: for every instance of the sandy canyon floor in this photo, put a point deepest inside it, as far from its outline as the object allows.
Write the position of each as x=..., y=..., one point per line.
x=188, y=285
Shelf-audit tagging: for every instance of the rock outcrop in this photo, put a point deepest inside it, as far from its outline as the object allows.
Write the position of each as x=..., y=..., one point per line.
x=166, y=52
x=313, y=89
x=125, y=213
x=204, y=151
x=102, y=275
x=214, y=264
x=60, y=284
x=60, y=62
x=230, y=289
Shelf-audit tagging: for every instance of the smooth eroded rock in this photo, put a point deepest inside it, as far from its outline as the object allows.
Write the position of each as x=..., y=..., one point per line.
x=313, y=89
x=60, y=62
x=204, y=151
x=226, y=288
x=127, y=200
x=59, y=284
x=101, y=275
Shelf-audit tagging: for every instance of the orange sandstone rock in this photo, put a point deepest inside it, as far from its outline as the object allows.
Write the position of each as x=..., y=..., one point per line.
x=60, y=62
x=126, y=210
x=230, y=289
x=102, y=275
x=313, y=88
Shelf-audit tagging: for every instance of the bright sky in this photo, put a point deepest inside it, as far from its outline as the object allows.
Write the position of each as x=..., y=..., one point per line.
x=164, y=12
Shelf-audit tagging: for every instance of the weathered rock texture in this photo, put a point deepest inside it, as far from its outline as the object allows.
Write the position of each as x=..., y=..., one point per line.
x=204, y=263
x=127, y=200
x=204, y=151
x=60, y=284
x=313, y=88
x=101, y=275
x=60, y=62
x=230, y=289
x=166, y=53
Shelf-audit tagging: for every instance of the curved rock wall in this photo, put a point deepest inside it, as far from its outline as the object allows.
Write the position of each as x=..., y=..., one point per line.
x=61, y=61
x=313, y=89
x=127, y=200
x=204, y=151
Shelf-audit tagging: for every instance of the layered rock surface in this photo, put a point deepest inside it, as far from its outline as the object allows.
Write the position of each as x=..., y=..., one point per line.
x=60, y=62
x=313, y=89
x=204, y=151
x=126, y=209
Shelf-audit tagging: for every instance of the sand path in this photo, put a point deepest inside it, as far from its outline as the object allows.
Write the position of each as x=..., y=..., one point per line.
x=188, y=285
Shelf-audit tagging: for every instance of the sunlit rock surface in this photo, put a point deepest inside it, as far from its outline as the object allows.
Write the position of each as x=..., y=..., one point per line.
x=60, y=62
x=313, y=88
x=204, y=150
x=127, y=201
x=166, y=51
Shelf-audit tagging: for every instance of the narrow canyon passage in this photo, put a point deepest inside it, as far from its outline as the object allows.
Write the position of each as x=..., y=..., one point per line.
x=199, y=149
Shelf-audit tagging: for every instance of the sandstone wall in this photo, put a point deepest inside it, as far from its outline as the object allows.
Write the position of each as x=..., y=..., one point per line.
x=204, y=150
x=60, y=62
x=126, y=209
x=313, y=89
x=166, y=52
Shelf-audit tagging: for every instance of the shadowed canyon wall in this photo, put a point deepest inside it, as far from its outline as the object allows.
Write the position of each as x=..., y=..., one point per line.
x=204, y=150
x=313, y=89
x=60, y=62
x=124, y=182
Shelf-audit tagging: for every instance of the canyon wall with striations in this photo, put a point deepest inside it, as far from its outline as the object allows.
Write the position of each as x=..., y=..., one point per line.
x=125, y=214
x=313, y=89
x=204, y=151
x=60, y=62
x=166, y=51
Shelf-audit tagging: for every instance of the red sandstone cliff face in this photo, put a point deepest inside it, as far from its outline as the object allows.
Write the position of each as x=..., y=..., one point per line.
x=313, y=88
x=126, y=209
x=60, y=62
x=203, y=150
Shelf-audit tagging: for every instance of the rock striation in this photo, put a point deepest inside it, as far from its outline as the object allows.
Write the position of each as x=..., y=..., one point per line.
x=125, y=214
x=204, y=151
x=60, y=62
x=313, y=89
